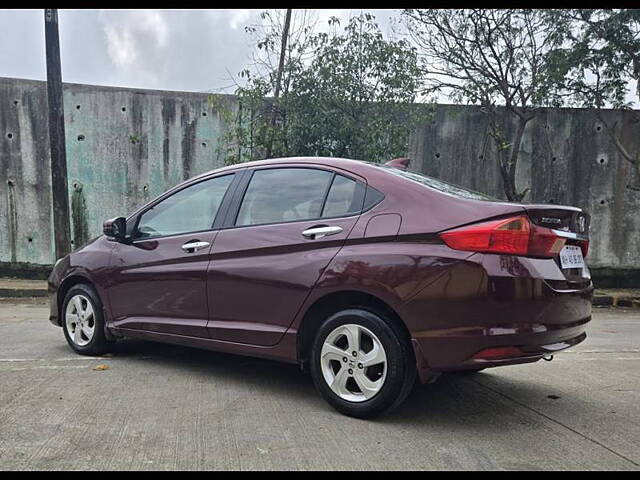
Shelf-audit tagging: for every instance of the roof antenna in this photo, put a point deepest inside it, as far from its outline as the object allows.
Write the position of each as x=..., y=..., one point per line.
x=401, y=163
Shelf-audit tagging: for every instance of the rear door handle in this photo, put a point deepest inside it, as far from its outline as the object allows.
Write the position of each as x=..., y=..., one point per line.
x=322, y=231
x=194, y=246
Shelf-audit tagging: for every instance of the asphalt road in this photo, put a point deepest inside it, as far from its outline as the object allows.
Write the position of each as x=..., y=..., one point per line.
x=169, y=407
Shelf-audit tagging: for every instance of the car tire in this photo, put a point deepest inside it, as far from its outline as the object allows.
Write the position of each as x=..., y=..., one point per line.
x=385, y=384
x=82, y=298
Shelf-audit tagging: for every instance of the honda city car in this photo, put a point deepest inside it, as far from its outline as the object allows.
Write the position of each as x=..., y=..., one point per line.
x=369, y=276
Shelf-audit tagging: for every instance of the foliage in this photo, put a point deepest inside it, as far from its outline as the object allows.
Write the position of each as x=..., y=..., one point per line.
x=492, y=58
x=346, y=92
x=600, y=53
x=599, y=56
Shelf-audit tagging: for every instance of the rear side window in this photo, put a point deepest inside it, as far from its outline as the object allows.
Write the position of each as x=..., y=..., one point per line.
x=342, y=198
x=284, y=195
x=439, y=185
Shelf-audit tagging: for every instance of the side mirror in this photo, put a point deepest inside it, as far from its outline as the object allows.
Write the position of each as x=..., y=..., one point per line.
x=115, y=228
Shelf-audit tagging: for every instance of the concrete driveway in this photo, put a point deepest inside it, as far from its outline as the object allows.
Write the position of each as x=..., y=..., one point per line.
x=168, y=407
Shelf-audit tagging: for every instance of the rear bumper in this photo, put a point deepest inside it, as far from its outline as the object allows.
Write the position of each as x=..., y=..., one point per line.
x=496, y=302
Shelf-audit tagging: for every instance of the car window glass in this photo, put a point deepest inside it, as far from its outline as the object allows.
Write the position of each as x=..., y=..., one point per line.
x=283, y=195
x=341, y=198
x=440, y=185
x=371, y=198
x=192, y=209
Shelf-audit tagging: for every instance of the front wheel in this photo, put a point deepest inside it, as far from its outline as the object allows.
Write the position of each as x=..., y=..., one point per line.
x=83, y=322
x=361, y=363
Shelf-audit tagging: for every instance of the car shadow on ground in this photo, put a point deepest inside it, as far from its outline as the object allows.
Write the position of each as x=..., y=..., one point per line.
x=454, y=400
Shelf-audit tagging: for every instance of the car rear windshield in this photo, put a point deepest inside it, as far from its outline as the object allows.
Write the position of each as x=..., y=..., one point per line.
x=439, y=185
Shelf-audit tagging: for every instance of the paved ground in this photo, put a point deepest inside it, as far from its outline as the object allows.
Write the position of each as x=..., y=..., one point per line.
x=168, y=407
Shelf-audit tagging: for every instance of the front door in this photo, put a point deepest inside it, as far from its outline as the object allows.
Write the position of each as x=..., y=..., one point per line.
x=159, y=279
x=286, y=227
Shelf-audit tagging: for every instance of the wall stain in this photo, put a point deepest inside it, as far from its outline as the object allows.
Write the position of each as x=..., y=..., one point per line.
x=188, y=140
x=12, y=214
x=168, y=119
x=79, y=216
x=139, y=147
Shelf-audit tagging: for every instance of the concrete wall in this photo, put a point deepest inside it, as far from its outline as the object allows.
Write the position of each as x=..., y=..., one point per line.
x=566, y=158
x=125, y=146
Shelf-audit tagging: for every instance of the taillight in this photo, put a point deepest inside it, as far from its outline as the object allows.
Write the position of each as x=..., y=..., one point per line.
x=584, y=245
x=514, y=235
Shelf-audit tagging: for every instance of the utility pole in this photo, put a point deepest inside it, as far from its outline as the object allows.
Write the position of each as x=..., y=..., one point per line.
x=283, y=52
x=61, y=224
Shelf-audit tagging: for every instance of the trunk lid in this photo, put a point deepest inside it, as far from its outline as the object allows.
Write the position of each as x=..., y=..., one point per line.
x=571, y=223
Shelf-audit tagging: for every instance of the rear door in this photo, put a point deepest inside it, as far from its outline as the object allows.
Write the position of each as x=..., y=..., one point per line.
x=285, y=225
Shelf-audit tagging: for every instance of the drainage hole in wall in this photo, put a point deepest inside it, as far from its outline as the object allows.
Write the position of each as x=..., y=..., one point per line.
x=601, y=160
x=30, y=239
x=602, y=202
x=437, y=155
x=480, y=157
x=204, y=114
x=72, y=242
x=124, y=109
x=204, y=144
x=15, y=102
x=9, y=136
x=80, y=138
x=77, y=107
x=598, y=128
x=10, y=183
x=551, y=200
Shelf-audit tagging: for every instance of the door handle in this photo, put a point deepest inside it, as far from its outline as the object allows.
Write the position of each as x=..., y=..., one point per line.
x=194, y=246
x=323, y=231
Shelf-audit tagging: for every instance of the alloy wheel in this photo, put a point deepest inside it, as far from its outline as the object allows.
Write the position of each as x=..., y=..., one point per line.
x=80, y=320
x=353, y=362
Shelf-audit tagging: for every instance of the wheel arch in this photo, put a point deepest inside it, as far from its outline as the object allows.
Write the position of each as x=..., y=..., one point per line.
x=66, y=285
x=333, y=302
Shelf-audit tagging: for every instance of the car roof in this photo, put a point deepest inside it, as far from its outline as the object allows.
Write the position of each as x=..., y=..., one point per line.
x=355, y=166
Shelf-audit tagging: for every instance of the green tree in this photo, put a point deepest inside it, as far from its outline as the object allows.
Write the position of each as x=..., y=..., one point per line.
x=494, y=58
x=259, y=122
x=355, y=98
x=599, y=59
x=346, y=92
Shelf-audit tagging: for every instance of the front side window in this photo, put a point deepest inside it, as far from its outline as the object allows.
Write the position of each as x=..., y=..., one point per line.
x=284, y=195
x=192, y=209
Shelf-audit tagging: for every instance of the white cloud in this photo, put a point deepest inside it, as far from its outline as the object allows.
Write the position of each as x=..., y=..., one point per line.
x=136, y=42
x=238, y=17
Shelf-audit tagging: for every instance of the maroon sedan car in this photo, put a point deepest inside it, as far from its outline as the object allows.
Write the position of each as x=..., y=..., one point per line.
x=367, y=275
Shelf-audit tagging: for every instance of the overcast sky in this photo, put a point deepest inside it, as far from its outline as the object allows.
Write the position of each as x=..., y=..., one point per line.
x=193, y=50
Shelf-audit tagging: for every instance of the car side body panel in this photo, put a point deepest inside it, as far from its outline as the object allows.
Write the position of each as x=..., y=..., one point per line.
x=90, y=262
x=259, y=276
x=452, y=303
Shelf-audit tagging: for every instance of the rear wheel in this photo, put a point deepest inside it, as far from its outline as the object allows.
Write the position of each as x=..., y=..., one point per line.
x=361, y=363
x=83, y=322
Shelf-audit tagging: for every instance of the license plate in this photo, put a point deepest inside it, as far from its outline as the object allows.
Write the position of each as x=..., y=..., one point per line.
x=571, y=257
